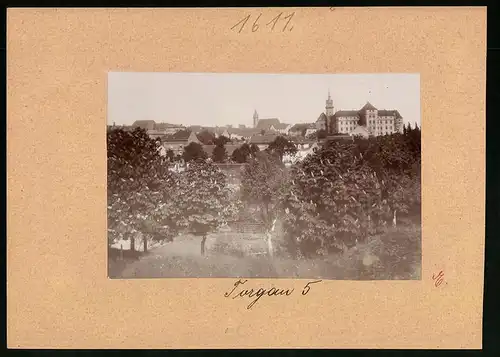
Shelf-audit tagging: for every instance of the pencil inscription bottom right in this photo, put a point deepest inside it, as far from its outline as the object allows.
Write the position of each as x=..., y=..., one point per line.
x=264, y=176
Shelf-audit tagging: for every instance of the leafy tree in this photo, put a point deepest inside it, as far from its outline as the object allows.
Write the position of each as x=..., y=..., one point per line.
x=219, y=154
x=396, y=159
x=184, y=133
x=282, y=146
x=320, y=134
x=408, y=128
x=346, y=191
x=335, y=199
x=244, y=152
x=264, y=184
x=178, y=157
x=206, y=137
x=137, y=174
x=203, y=202
x=194, y=151
x=254, y=149
x=170, y=154
x=221, y=140
x=239, y=156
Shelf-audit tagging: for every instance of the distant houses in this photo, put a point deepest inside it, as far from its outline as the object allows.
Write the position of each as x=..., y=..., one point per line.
x=263, y=141
x=304, y=148
x=157, y=130
x=360, y=131
x=177, y=141
x=144, y=124
x=341, y=125
x=240, y=133
x=270, y=125
x=365, y=122
x=302, y=129
x=375, y=122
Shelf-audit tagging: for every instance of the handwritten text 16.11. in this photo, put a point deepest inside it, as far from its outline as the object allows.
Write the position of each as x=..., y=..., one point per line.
x=285, y=24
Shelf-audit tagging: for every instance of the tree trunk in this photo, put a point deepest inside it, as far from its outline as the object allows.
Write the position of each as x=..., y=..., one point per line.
x=132, y=243
x=145, y=242
x=270, y=249
x=394, y=219
x=203, y=244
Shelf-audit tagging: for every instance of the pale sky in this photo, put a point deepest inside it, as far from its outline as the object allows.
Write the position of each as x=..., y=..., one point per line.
x=218, y=99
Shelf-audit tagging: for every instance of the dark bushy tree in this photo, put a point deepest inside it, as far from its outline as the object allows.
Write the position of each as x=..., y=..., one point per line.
x=238, y=156
x=219, y=154
x=206, y=137
x=221, y=140
x=203, y=202
x=244, y=152
x=170, y=154
x=282, y=146
x=137, y=177
x=335, y=199
x=264, y=184
x=194, y=151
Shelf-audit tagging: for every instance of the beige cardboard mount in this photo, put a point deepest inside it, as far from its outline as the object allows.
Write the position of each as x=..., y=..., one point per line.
x=59, y=295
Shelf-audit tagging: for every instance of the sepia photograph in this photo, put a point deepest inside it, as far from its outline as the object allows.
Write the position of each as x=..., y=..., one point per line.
x=252, y=175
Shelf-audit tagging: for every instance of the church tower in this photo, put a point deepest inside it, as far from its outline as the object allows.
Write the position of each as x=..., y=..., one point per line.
x=329, y=106
x=255, y=119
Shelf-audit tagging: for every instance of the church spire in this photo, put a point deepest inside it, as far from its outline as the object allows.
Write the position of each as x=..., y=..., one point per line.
x=329, y=105
x=255, y=118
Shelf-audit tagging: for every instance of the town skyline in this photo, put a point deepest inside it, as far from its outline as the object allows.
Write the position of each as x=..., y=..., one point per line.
x=221, y=99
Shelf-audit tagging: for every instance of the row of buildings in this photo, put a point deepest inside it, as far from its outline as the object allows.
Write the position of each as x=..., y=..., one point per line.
x=181, y=139
x=365, y=122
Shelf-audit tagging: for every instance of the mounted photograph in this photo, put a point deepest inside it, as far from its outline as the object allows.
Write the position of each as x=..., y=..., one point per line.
x=251, y=175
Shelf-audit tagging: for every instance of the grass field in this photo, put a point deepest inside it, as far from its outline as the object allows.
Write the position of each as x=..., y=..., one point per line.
x=396, y=254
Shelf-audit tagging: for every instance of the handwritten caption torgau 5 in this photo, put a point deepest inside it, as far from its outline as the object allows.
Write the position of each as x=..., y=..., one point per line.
x=259, y=293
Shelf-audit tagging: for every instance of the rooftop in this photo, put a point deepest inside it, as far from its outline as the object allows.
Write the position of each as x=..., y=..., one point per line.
x=266, y=124
x=182, y=135
x=263, y=139
x=368, y=106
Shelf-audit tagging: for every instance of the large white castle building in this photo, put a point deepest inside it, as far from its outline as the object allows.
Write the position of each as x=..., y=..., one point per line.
x=368, y=121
